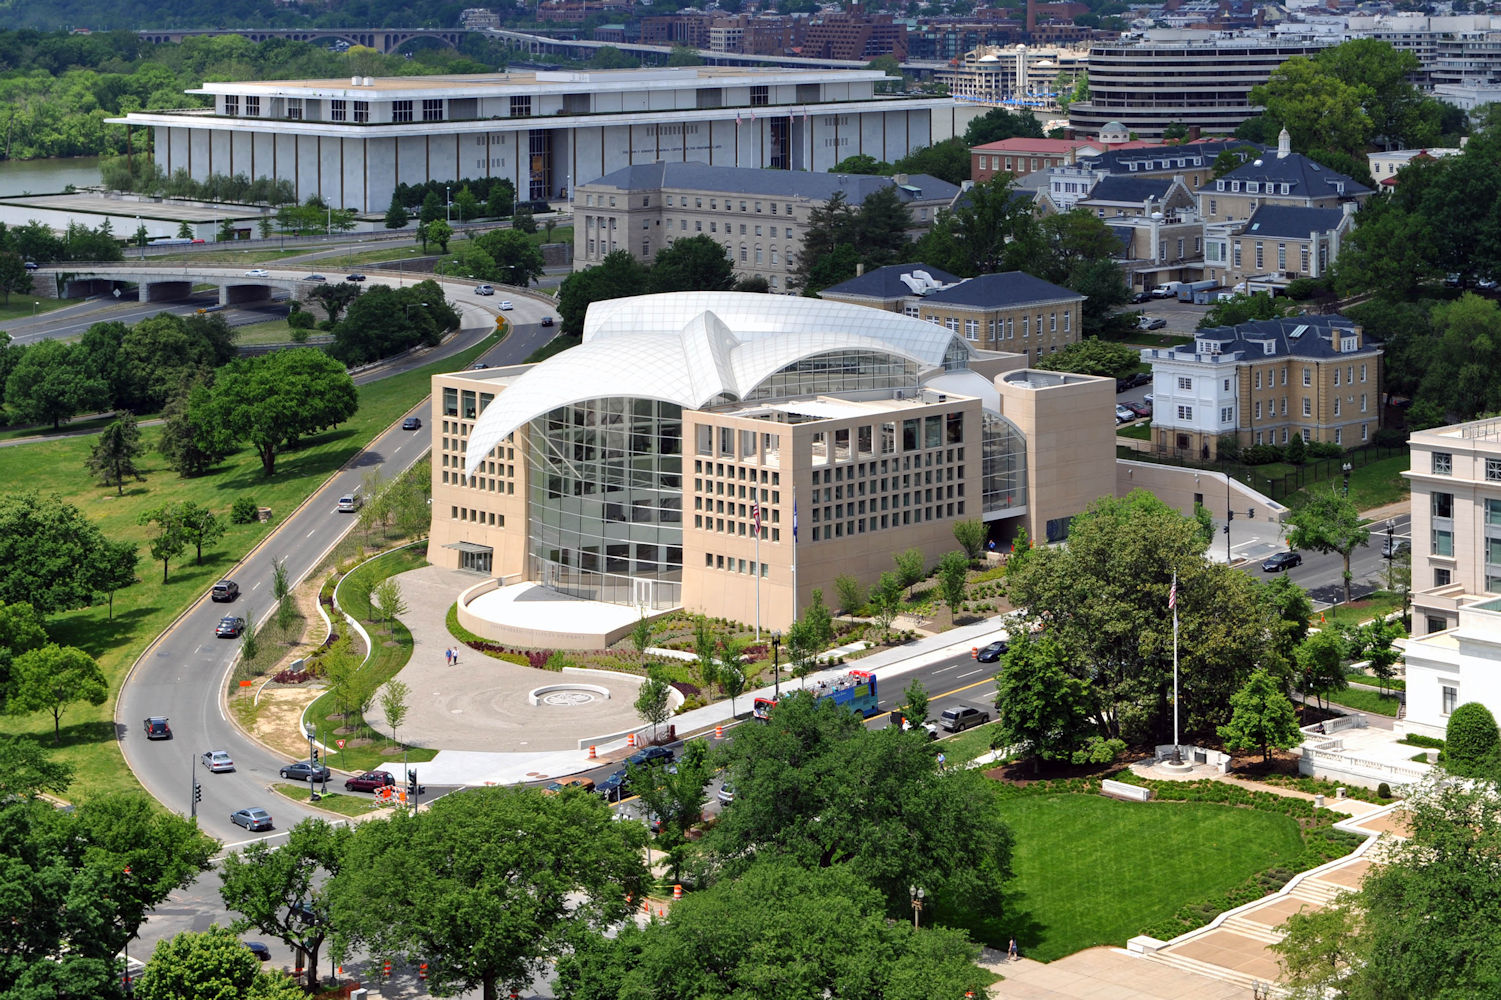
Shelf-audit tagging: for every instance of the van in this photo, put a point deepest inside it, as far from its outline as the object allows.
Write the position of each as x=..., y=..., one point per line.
x=956, y=720
x=350, y=502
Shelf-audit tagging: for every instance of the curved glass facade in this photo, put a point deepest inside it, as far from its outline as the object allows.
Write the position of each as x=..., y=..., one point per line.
x=839, y=371
x=606, y=503
x=1003, y=471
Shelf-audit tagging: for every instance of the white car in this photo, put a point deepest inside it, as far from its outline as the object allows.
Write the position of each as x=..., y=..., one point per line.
x=484, y=289
x=257, y=272
x=505, y=305
x=217, y=760
x=1124, y=415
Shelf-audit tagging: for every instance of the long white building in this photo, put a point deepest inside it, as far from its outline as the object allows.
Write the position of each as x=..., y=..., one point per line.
x=352, y=141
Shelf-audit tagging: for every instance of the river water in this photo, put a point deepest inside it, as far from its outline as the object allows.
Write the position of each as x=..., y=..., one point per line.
x=18, y=177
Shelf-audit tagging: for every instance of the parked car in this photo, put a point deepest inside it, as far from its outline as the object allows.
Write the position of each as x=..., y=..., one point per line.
x=587, y=784
x=217, y=760
x=1137, y=298
x=257, y=272
x=484, y=289
x=369, y=781
x=229, y=627
x=648, y=756
x=1166, y=291
x=259, y=950
x=1487, y=284
x=306, y=771
x=254, y=818
x=157, y=728
x=412, y=424
x=225, y=590
x=612, y=785
x=1123, y=415
x=356, y=276
x=1140, y=379
x=32, y=265
x=957, y=720
x=315, y=277
x=506, y=305
x=993, y=652
x=726, y=794
x=1151, y=322
x=1281, y=561
x=1140, y=409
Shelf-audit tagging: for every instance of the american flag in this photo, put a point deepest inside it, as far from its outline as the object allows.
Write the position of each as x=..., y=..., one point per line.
x=737, y=119
x=794, y=518
x=1172, y=595
x=752, y=116
x=756, y=519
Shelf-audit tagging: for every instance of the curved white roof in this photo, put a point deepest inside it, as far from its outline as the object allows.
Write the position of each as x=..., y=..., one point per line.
x=691, y=347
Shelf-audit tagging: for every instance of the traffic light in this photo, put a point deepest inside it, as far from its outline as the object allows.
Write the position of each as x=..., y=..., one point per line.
x=1251, y=513
x=197, y=792
x=412, y=782
x=1229, y=515
x=314, y=749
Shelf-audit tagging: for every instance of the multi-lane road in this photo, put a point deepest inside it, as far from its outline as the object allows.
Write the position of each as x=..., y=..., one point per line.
x=184, y=674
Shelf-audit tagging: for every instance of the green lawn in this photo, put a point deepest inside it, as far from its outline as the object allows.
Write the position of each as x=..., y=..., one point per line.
x=143, y=611
x=1366, y=701
x=971, y=743
x=20, y=306
x=1379, y=603
x=1095, y=871
x=1374, y=485
x=1141, y=431
x=344, y=805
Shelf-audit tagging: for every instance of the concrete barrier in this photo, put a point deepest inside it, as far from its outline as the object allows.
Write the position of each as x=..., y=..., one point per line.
x=1121, y=790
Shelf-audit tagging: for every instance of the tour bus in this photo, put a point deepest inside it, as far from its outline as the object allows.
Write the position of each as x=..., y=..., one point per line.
x=855, y=690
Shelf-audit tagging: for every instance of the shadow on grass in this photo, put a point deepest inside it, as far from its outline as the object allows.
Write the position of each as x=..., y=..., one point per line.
x=97, y=637
x=75, y=734
x=996, y=930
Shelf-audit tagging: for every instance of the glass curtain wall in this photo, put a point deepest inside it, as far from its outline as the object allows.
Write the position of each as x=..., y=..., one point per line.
x=1003, y=464
x=606, y=507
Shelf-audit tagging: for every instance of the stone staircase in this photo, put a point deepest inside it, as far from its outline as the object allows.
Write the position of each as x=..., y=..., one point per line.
x=1205, y=969
x=1315, y=891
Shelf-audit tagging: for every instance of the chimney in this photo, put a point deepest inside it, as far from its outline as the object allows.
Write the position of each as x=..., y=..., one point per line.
x=1194, y=133
x=1031, y=18
x=1284, y=145
x=860, y=269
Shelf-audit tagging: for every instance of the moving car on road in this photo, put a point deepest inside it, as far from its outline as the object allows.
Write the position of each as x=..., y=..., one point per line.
x=957, y=720
x=157, y=728
x=225, y=590
x=356, y=276
x=254, y=818
x=411, y=424
x=217, y=760
x=257, y=272
x=229, y=627
x=547, y=321
x=369, y=781
x=1281, y=561
x=649, y=756
x=315, y=277
x=304, y=771
x=506, y=305
x=484, y=289
x=993, y=652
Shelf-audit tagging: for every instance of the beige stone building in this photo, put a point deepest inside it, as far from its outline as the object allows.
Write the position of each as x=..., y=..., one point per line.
x=1264, y=382
x=1281, y=178
x=760, y=216
x=1456, y=520
x=1012, y=312
x=724, y=452
x=1278, y=244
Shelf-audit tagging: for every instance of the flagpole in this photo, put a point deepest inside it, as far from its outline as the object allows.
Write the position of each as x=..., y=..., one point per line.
x=1173, y=603
x=794, y=553
x=756, y=530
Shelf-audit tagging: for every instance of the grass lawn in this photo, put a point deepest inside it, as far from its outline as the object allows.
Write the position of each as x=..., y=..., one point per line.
x=1095, y=871
x=1365, y=701
x=1141, y=431
x=142, y=611
x=1373, y=485
x=344, y=805
x=972, y=742
x=1380, y=602
x=20, y=306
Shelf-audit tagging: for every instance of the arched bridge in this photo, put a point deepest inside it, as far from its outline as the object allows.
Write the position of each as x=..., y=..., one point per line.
x=385, y=40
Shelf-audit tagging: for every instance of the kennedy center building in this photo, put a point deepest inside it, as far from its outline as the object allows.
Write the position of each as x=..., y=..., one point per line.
x=725, y=452
x=352, y=141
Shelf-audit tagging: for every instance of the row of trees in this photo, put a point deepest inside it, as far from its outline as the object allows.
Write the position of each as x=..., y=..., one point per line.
x=36, y=241
x=808, y=839
x=698, y=263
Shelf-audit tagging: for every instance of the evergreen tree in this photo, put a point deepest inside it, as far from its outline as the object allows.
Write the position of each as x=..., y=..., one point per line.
x=114, y=456
x=396, y=214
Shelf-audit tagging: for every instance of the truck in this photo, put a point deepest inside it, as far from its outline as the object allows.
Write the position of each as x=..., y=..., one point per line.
x=855, y=690
x=1196, y=291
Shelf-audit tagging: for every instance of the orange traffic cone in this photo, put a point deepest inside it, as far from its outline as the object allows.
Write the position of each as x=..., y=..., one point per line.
x=591, y=753
x=630, y=740
x=677, y=893
x=719, y=732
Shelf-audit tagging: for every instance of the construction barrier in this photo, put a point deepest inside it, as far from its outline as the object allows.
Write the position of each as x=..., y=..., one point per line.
x=591, y=753
x=646, y=907
x=386, y=970
x=630, y=740
x=719, y=732
x=422, y=971
x=677, y=893
x=974, y=652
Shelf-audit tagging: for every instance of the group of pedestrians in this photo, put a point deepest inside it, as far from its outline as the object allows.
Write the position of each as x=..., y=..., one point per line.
x=451, y=654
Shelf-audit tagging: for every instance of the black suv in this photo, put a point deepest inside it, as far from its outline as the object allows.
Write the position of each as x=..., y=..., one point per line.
x=157, y=728
x=956, y=720
x=225, y=590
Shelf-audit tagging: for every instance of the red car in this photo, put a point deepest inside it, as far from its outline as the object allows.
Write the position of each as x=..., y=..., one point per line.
x=369, y=781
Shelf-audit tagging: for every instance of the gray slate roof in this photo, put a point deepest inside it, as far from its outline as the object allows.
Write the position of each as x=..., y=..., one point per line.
x=1196, y=155
x=1307, y=178
x=1129, y=190
x=813, y=186
x=1292, y=221
x=886, y=282
x=1306, y=336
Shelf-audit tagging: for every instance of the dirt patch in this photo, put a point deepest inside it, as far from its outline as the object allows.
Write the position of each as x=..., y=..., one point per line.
x=278, y=719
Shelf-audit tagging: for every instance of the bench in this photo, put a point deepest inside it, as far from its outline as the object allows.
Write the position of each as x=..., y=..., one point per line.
x=1121, y=790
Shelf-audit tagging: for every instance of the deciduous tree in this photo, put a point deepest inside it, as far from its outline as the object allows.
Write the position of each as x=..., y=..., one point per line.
x=1094, y=357
x=617, y=276
x=52, y=678
x=653, y=702
x=1320, y=659
x=1329, y=522
x=115, y=567
x=52, y=383
x=1471, y=741
x=696, y=264
x=285, y=892
x=1042, y=709
x=1261, y=717
x=487, y=912
x=203, y=526
x=170, y=536
x=393, y=704
x=48, y=550
x=518, y=261
x=26, y=771
x=215, y=963
x=953, y=572
x=970, y=534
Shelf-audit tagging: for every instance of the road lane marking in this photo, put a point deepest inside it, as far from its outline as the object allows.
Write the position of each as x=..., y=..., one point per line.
x=970, y=674
x=310, y=534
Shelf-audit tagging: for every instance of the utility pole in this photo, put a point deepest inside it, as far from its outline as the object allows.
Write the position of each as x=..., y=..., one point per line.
x=195, y=790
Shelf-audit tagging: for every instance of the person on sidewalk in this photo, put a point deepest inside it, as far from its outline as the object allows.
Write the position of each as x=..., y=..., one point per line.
x=1011, y=955
x=448, y=656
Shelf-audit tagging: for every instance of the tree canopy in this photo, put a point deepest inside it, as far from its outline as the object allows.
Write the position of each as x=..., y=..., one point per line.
x=275, y=400
x=48, y=553
x=998, y=123
x=208, y=966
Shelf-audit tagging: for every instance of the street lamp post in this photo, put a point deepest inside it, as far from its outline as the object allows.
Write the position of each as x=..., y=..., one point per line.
x=776, y=670
x=448, y=198
x=918, y=897
x=1391, y=551
x=1346, y=469
x=312, y=757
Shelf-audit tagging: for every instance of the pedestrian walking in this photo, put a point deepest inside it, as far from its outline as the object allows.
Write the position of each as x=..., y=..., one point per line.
x=448, y=656
x=1011, y=951
x=455, y=656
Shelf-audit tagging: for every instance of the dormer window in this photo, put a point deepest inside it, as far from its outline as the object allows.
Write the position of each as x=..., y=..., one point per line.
x=1219, y=185
x=1252, y=187
x=1235, y=185
x=1339, y=187
x=1347, y=344
x=1286, y=188
x=1269, y=347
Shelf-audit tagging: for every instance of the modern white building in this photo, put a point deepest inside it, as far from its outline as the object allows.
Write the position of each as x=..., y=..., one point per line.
x=351, y=142
x=1446, y=669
